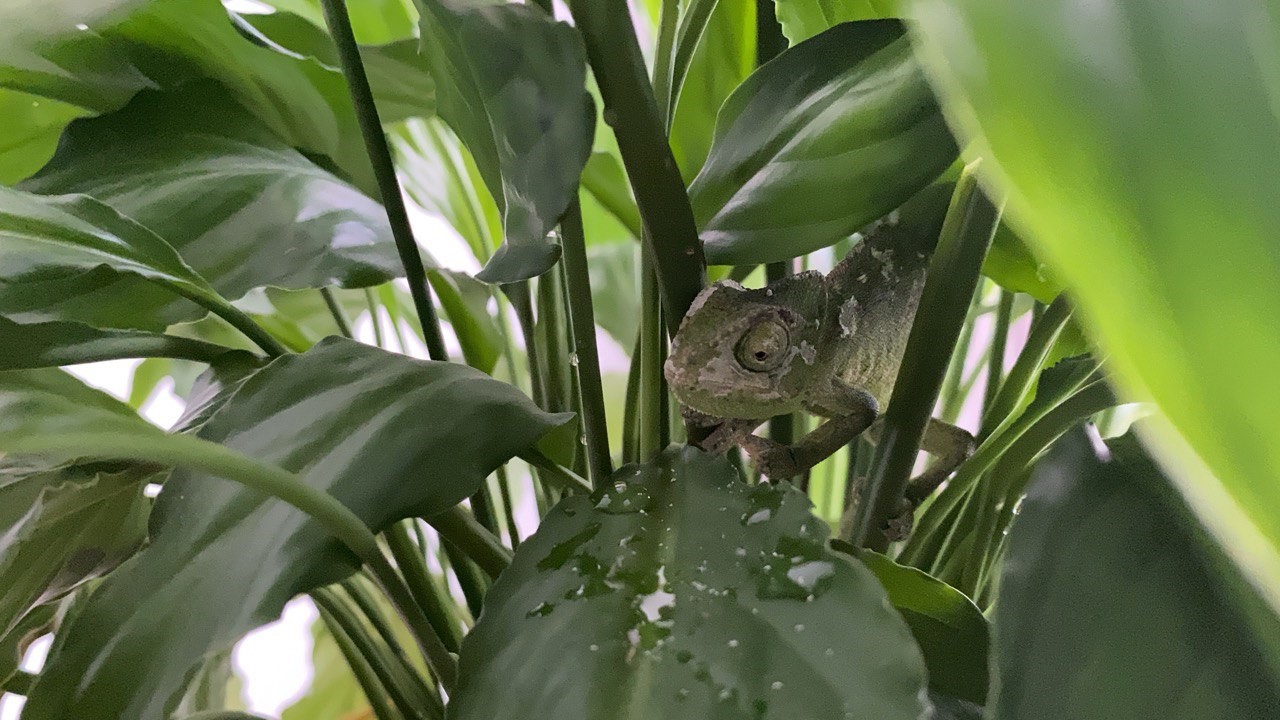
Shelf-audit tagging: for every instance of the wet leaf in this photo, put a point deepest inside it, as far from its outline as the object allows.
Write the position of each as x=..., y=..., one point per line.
x=830, y=135
x=677, y=591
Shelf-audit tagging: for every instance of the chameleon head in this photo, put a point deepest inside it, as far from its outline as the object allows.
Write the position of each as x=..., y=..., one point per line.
x=746, y=353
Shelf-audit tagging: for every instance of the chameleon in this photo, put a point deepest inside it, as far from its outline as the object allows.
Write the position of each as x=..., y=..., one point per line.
x=829, y=344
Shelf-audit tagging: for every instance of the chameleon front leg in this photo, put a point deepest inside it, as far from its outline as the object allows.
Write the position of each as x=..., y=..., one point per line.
x=951, y=445
x=776, y=460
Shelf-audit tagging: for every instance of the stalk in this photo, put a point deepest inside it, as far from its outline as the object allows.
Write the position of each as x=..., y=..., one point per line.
x=461, y=529
x=1022, y=376
x=362, y=669
x=999, y=342
x=411, y=560
x=339, y=315
x=384, y=171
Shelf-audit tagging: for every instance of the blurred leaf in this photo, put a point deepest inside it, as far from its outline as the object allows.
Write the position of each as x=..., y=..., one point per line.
x=372, y=21
x=334, y=692
x=466, y=303
x=53, y=344
x=830, y=135
x=52, y=245
x=950, y=629
x=677, y=591
x=1012, y=265
x=510, y=81
x=233, y=200
x=210, y=688
x=802, y=19
x=1134, y=142
x=606, y=182
x=32, y=126
x=725, y=56
x=353, y=421
x=614, y=272
x=402, y=87
x=1107, y=608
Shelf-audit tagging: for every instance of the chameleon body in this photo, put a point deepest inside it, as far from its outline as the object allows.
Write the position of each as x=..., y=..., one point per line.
x=830, y=344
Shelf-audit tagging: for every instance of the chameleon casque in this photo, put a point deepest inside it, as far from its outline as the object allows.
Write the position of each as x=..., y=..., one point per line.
x=829, y=344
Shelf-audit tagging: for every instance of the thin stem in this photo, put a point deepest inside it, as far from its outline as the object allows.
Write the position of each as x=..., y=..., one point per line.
x=508, y=507
x=631, y=417
x=460, y=528
x=384, y=171
x=999, y=341
x=362, y=669
x=115, y=345
x=653, y=385
x=953, y=275
x=1022, y=376
x=582, y=318
x=339, y=315
x=672, y=238
x=411, y=560
x=470, y=578
x=237, y=319
x=375, y=317
x=394, y=676
x=368, y=605
x=565, y=478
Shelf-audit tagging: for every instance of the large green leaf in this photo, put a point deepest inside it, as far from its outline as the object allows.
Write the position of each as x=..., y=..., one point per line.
x=1109, y=607
x=950, y=629
x=802, y=19
x=387, y=435
x=830, y=135
x=238, y=204
x=32, y=125
x=1135, y=141
x=510, y=81
x=677, y=591
x=51, y=245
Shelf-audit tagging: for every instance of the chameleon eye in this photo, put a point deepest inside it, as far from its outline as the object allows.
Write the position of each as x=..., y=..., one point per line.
x=764, y=346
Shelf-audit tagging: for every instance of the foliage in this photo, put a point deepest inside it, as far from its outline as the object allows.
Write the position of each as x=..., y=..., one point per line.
x=200, y=187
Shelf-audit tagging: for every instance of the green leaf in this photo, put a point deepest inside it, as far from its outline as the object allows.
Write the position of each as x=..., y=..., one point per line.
x=54, y=344
x=210, y=690
x=32, y=127
x=828, y=136
x=606, y=182
x=402, y=87
x=15, y=640
x=466, y=303
x=372, y=21
x=246, y=209
x=359, y=423
x=1012, y=265
x=614, y=271
x=510, y=81
x=1108, y=607
x=802, y=19
x=678, y=591
x=49, y=245
x=1125, y=136
x=950, y=629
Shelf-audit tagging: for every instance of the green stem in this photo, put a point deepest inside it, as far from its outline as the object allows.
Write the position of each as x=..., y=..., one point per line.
x=953, y=395
x=339, y=315
x=1022, y=376
x=395, y=677
x=631, y=418
x=692, y=26
x=120, y=345
x=563, y=477
x=460, y=528
x=671, y=240
x=999, y=342
x=411, y=559
x=653, y=385
x=384, y=171
x=582, y=318
x=362, y=669
x=374, y=316
x=470, y=578
x=508, y=507
x=368, y=605
x=953, y=276
x=236, y=319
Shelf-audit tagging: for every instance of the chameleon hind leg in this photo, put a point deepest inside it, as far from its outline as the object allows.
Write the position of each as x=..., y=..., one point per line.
x=857, y=411
x=951, y=445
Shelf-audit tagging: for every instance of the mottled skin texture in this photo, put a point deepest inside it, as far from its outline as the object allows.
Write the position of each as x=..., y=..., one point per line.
x=828, y=344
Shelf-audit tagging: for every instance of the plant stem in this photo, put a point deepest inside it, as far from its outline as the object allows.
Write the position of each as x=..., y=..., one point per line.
x=339, y=315
x=671, y=240
x=470, y=578
x=237, y=319
x=582, y=318
x=565, y=478
x=411, y=559
x=124, y=345
x=384, y=171
x=953, y=275
x=362, y=669
x=508, y=507
x=460, y=528
x=395, y=677
x=999, y=341
x=1022, y=376
x=375, y=318
x=652, y=422
x=364, y=599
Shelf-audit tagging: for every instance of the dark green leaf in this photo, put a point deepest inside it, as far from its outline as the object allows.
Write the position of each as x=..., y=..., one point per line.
x=241, y=206
x=50, y=244
x=15, y=640
x=1108, y=609
x=32, y=125
x=802, y=19
x=832, y=134
x=950, y=629
x=511, y=82
x=680, y=592
x=53, y=344
x=1134, y=140
x=386, y=435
